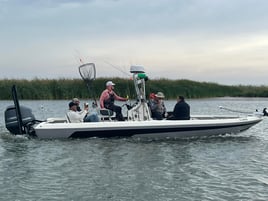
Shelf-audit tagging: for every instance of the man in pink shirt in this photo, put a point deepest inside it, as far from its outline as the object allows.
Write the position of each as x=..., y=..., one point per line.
x=107, y=99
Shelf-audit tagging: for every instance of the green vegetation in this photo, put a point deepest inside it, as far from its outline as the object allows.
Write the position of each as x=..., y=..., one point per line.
x=49, y=89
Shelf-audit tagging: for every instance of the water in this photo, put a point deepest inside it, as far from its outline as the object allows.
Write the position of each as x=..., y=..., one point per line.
x=231, y=167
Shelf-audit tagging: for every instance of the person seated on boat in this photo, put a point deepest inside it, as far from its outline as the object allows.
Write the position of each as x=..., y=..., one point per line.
x=157, y=106
x=77, y=102
x=181, y=110
x=151, y=100
x=75, y=116
x=107, y=98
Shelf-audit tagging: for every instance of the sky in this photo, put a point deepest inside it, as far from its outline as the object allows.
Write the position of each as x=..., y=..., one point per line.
x=221, y=41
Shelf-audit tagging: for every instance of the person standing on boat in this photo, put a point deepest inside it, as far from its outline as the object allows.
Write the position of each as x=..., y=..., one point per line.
x=107, y=98
x=158, y=108
x=181, y=110
x=75, y=116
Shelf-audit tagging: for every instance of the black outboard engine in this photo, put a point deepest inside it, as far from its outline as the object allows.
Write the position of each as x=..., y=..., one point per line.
x=19, y=119
x=12, y=122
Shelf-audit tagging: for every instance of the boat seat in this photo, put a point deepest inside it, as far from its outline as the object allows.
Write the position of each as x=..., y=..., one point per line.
x=57, y=120
x=67, y=118
x=106, y=113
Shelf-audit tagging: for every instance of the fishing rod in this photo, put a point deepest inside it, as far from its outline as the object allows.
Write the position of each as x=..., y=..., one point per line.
x=116, y=67
x=87, y=72
x=237, y=111
x=78, y=57
x=87, y=76
x=122, y=71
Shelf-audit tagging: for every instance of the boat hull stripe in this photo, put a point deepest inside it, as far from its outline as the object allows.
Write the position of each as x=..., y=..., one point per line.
x=125, y=132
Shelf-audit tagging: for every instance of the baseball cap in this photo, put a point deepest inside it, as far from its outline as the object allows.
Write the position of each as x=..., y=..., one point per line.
x=160, y=95
x=110, y=83
x=75, y=100
x=71, y=104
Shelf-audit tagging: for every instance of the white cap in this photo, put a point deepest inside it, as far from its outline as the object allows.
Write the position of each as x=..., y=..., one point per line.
x=110, y=83
x=75, y=100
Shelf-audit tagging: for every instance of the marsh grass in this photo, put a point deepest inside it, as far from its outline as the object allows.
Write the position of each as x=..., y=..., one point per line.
x=48, y=89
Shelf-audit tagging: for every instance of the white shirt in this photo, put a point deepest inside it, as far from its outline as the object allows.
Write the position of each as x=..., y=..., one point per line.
x=76, y=117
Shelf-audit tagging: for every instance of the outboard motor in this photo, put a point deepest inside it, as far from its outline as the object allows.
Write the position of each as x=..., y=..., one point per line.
x=19, y=119
x=12, y=122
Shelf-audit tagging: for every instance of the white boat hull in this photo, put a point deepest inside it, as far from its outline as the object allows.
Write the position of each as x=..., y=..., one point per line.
x=20, y=120
x=204, y=126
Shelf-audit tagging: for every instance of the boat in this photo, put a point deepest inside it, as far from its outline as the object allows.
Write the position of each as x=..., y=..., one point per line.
x=138, y=121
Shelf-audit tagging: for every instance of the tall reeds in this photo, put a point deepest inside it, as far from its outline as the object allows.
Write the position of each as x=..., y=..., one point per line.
x=48, y=89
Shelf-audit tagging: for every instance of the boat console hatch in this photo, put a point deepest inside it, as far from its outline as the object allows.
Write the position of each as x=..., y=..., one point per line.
x=137, y=69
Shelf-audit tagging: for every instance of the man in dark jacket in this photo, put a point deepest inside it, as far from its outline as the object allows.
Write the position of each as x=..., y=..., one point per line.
x=181, y=110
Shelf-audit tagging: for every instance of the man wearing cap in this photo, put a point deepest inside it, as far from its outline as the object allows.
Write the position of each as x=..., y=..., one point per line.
x=158, y=108
x=77, y=101
x=75, y=116
x=107, y=98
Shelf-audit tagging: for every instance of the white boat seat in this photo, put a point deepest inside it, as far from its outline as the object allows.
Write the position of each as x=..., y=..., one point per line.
x=56, y=120
x=106, y=113
x=67, y=118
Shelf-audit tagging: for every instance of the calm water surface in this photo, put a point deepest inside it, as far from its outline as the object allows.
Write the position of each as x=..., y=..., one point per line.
x=231, y=167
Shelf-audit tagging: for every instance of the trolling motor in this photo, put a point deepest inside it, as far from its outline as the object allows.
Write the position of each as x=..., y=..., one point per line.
x=264, y=111
x=19, y=119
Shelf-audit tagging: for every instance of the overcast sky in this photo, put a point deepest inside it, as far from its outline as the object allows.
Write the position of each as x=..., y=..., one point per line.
x=222, y=41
